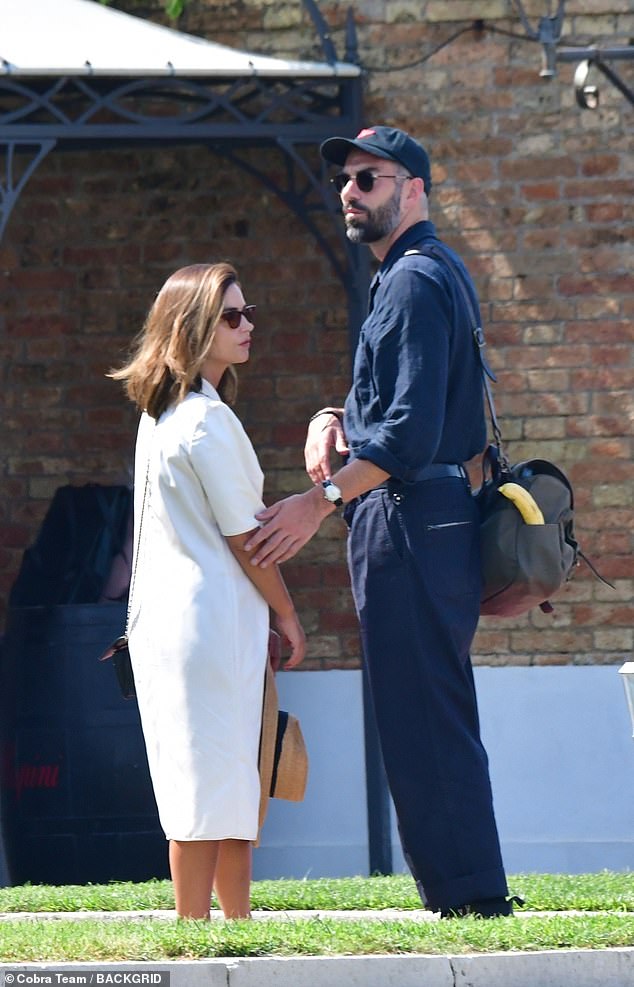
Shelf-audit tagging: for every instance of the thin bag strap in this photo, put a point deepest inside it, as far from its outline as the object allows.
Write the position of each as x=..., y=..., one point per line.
x=438, y=250
x=128, y=628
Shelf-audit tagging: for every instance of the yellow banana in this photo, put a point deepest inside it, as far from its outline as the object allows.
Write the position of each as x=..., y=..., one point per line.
x=524, y=502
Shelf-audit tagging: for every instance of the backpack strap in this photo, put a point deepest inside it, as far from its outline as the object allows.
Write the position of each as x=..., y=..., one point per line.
x=594, y=569
x=439, y=252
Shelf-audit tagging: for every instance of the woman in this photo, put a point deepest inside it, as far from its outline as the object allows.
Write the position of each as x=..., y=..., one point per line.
x=199, y=619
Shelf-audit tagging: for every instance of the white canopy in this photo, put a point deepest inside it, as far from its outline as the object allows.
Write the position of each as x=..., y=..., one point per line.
x=84, y=38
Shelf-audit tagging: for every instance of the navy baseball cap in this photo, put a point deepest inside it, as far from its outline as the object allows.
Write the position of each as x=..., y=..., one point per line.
x=383, y=142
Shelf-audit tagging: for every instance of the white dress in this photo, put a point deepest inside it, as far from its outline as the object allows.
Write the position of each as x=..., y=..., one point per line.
x=199, y=627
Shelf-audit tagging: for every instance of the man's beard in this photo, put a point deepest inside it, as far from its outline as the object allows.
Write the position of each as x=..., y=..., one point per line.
x=377, y=223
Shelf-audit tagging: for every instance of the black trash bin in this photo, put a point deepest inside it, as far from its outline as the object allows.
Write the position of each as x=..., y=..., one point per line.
x=77, y=800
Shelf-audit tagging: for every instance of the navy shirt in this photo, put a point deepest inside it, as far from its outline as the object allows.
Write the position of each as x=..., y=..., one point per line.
x=416, y=396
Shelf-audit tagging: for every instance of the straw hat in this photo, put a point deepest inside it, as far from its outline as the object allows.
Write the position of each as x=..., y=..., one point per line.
x=283, y=761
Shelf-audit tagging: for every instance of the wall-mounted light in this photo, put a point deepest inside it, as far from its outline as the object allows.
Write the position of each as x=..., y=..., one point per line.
x=548, y=34
x=587, y=96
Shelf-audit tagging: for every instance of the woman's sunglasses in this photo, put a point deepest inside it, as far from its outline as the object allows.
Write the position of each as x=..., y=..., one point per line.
x=233, y=316
x=365, y=179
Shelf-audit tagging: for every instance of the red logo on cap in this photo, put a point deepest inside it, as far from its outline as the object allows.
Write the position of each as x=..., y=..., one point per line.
x=366, y=133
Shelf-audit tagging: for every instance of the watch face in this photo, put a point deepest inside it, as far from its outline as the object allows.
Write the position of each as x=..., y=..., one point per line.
x=331, y=492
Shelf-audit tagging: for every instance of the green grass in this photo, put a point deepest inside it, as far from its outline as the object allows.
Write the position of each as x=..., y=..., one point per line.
x=33, y=938
x=603, y=891
x=151, y=940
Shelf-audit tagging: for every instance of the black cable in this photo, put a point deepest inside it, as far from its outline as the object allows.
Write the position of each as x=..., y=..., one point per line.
x=508, y=34
x=526, y=37
x=478, y=26
x=420, y=61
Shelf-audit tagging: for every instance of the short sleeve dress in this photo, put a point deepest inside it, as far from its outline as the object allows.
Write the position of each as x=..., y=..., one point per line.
x=198, y=626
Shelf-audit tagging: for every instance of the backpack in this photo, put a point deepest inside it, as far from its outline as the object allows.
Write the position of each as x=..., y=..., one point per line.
x=523, y=564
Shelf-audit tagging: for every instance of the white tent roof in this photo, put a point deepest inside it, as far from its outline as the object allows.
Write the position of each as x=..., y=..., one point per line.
x=83, y=38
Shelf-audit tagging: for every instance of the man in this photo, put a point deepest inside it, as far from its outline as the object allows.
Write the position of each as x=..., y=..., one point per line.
x=413, y=416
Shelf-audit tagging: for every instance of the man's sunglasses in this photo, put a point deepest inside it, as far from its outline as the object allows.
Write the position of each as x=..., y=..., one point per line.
x=233, y=316
x=365, y=179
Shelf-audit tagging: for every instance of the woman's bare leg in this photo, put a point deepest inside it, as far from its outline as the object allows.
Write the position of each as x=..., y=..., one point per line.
x=193, y=867
x=232, y=882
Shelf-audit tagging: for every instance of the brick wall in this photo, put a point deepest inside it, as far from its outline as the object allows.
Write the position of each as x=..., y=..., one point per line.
x=535, y=193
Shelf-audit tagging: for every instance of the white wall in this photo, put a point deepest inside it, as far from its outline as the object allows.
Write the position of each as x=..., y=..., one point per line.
x=326, y=834
x=562, y=764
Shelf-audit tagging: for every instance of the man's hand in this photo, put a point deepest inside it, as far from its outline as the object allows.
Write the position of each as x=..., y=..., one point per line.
x=286, y=527
x=325, y=433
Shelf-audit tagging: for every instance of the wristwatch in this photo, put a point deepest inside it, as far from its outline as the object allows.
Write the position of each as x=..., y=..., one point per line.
x=332, y=493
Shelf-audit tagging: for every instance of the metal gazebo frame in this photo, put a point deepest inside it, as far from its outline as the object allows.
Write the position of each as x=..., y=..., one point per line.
x=43, y=112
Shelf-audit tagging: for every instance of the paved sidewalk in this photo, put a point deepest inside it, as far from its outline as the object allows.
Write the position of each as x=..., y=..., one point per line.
x=347, y=915
x=557, y=968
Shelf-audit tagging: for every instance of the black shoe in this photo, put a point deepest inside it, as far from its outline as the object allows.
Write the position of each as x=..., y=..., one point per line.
x=485, y=908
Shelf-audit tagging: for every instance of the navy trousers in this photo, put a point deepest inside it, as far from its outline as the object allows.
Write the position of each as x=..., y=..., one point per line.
x=413, y=553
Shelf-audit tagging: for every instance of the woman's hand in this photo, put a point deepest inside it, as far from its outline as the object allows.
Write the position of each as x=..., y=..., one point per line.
x=275, y=650
x=293, y=632
x=325, y=433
